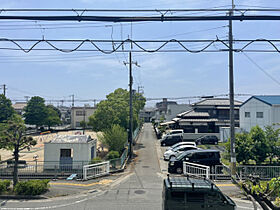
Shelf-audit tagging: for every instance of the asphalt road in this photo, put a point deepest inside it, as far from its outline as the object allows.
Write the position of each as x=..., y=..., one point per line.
x=140, y=189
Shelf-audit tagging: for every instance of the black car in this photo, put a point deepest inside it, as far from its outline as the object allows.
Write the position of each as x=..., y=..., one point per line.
x=169, y=140
x=208, y=157
x=207, y=140
x=193, y=193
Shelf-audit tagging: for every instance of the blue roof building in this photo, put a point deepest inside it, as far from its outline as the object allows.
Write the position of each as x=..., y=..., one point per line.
x=262, y=110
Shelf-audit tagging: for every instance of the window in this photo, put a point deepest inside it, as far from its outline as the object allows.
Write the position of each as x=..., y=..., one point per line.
x=77, y=124
x=259, y=114
x=80, y=113
x=247, y=114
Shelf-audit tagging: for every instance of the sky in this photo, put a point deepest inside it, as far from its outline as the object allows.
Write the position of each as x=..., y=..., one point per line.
x=92, y=75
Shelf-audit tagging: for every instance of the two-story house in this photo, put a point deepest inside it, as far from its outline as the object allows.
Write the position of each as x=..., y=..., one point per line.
x=207, y=116
x=260, y=110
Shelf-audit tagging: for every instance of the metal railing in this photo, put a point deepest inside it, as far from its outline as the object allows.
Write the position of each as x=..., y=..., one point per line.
x=96, y=170
x=196, y=169
x=220, y=172
x=263, y=172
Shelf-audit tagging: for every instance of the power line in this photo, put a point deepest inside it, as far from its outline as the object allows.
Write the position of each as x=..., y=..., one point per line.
x=261, y=9
x=119, y=44
x=260, y=68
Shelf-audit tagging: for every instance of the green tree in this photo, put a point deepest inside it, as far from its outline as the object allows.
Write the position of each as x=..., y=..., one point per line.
x=55, y=109
x=12, y=137
x=272, y=137
x=115, y=110
x=52, y=117
x=243, y=148
x=114, y=138
x=36, y=112
x=6, y=109
x=260, y=147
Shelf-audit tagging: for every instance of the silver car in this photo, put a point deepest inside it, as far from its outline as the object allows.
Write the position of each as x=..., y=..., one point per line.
x=181, y=144
x=172, y=153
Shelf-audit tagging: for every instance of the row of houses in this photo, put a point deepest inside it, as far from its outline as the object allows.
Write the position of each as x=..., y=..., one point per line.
x=69, y=115
x=210, y=115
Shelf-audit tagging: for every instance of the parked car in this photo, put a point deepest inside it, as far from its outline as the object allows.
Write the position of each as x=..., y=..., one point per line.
x=206, y=157
x=182, y=143
x=170, y=140
x=207, y=140
x=193, y=193
x=174, y=152
x=177, y=131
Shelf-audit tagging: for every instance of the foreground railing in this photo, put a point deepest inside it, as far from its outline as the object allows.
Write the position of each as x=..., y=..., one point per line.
x=196, y=169
x=263, y=172
x=96, y=170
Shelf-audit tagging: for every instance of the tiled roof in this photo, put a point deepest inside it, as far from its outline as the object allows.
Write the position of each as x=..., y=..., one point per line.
x=71, y=139
x=217, y=102
x=195, y=114
x=199, y=120
x=19, y=105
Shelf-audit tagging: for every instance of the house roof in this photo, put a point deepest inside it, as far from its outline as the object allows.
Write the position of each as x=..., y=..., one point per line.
x=217, y=102
x=19, y=105
x=71, y=139
x=268, y=99
x=193, y=113
x=199, y=120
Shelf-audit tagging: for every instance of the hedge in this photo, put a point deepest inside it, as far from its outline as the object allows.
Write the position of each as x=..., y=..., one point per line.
x=4, y=185
x=32, y=187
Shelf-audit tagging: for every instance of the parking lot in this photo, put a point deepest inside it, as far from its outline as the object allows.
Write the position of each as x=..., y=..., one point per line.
x=226, y=186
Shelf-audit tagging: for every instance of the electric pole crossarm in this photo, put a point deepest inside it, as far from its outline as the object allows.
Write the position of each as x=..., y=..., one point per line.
x=141, y=18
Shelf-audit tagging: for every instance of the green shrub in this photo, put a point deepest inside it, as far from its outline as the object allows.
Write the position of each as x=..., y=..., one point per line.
x=95, y=160
x=4, y=185
x=113, y=155
x=31, y=187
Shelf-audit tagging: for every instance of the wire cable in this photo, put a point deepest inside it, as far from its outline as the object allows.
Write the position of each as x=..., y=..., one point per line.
x=261, y=69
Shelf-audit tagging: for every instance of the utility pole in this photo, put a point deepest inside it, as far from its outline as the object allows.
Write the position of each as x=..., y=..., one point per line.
x=27, y=98
x=72, y=100
x=130, y=128
x=4, y=89
x=231, y=98
x=140, y=89
x=84, y=123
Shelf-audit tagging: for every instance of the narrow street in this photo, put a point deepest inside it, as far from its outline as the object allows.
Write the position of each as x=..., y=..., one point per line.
x=140, y=189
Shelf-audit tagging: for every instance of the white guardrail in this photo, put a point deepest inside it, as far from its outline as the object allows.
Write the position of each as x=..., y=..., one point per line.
x=196, y=169
x=96, y=170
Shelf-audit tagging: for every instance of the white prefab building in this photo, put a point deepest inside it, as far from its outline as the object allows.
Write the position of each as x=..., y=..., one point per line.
x=261, y=111
x=71, y=151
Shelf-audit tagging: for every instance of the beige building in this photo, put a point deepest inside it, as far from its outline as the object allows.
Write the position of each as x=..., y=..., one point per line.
x=19, y=107
x=79, y=114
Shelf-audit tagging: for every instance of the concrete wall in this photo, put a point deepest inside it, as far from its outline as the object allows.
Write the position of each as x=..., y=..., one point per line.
x=81, y=152
x=253, y=106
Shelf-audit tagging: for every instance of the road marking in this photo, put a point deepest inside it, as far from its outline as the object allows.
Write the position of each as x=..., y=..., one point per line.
x=102, y=182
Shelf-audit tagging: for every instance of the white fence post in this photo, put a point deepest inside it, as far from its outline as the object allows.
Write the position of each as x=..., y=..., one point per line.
x=196, y=169
x=96, y=170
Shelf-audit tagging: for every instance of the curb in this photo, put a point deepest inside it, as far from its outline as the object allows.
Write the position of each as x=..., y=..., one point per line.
x=23, y=197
